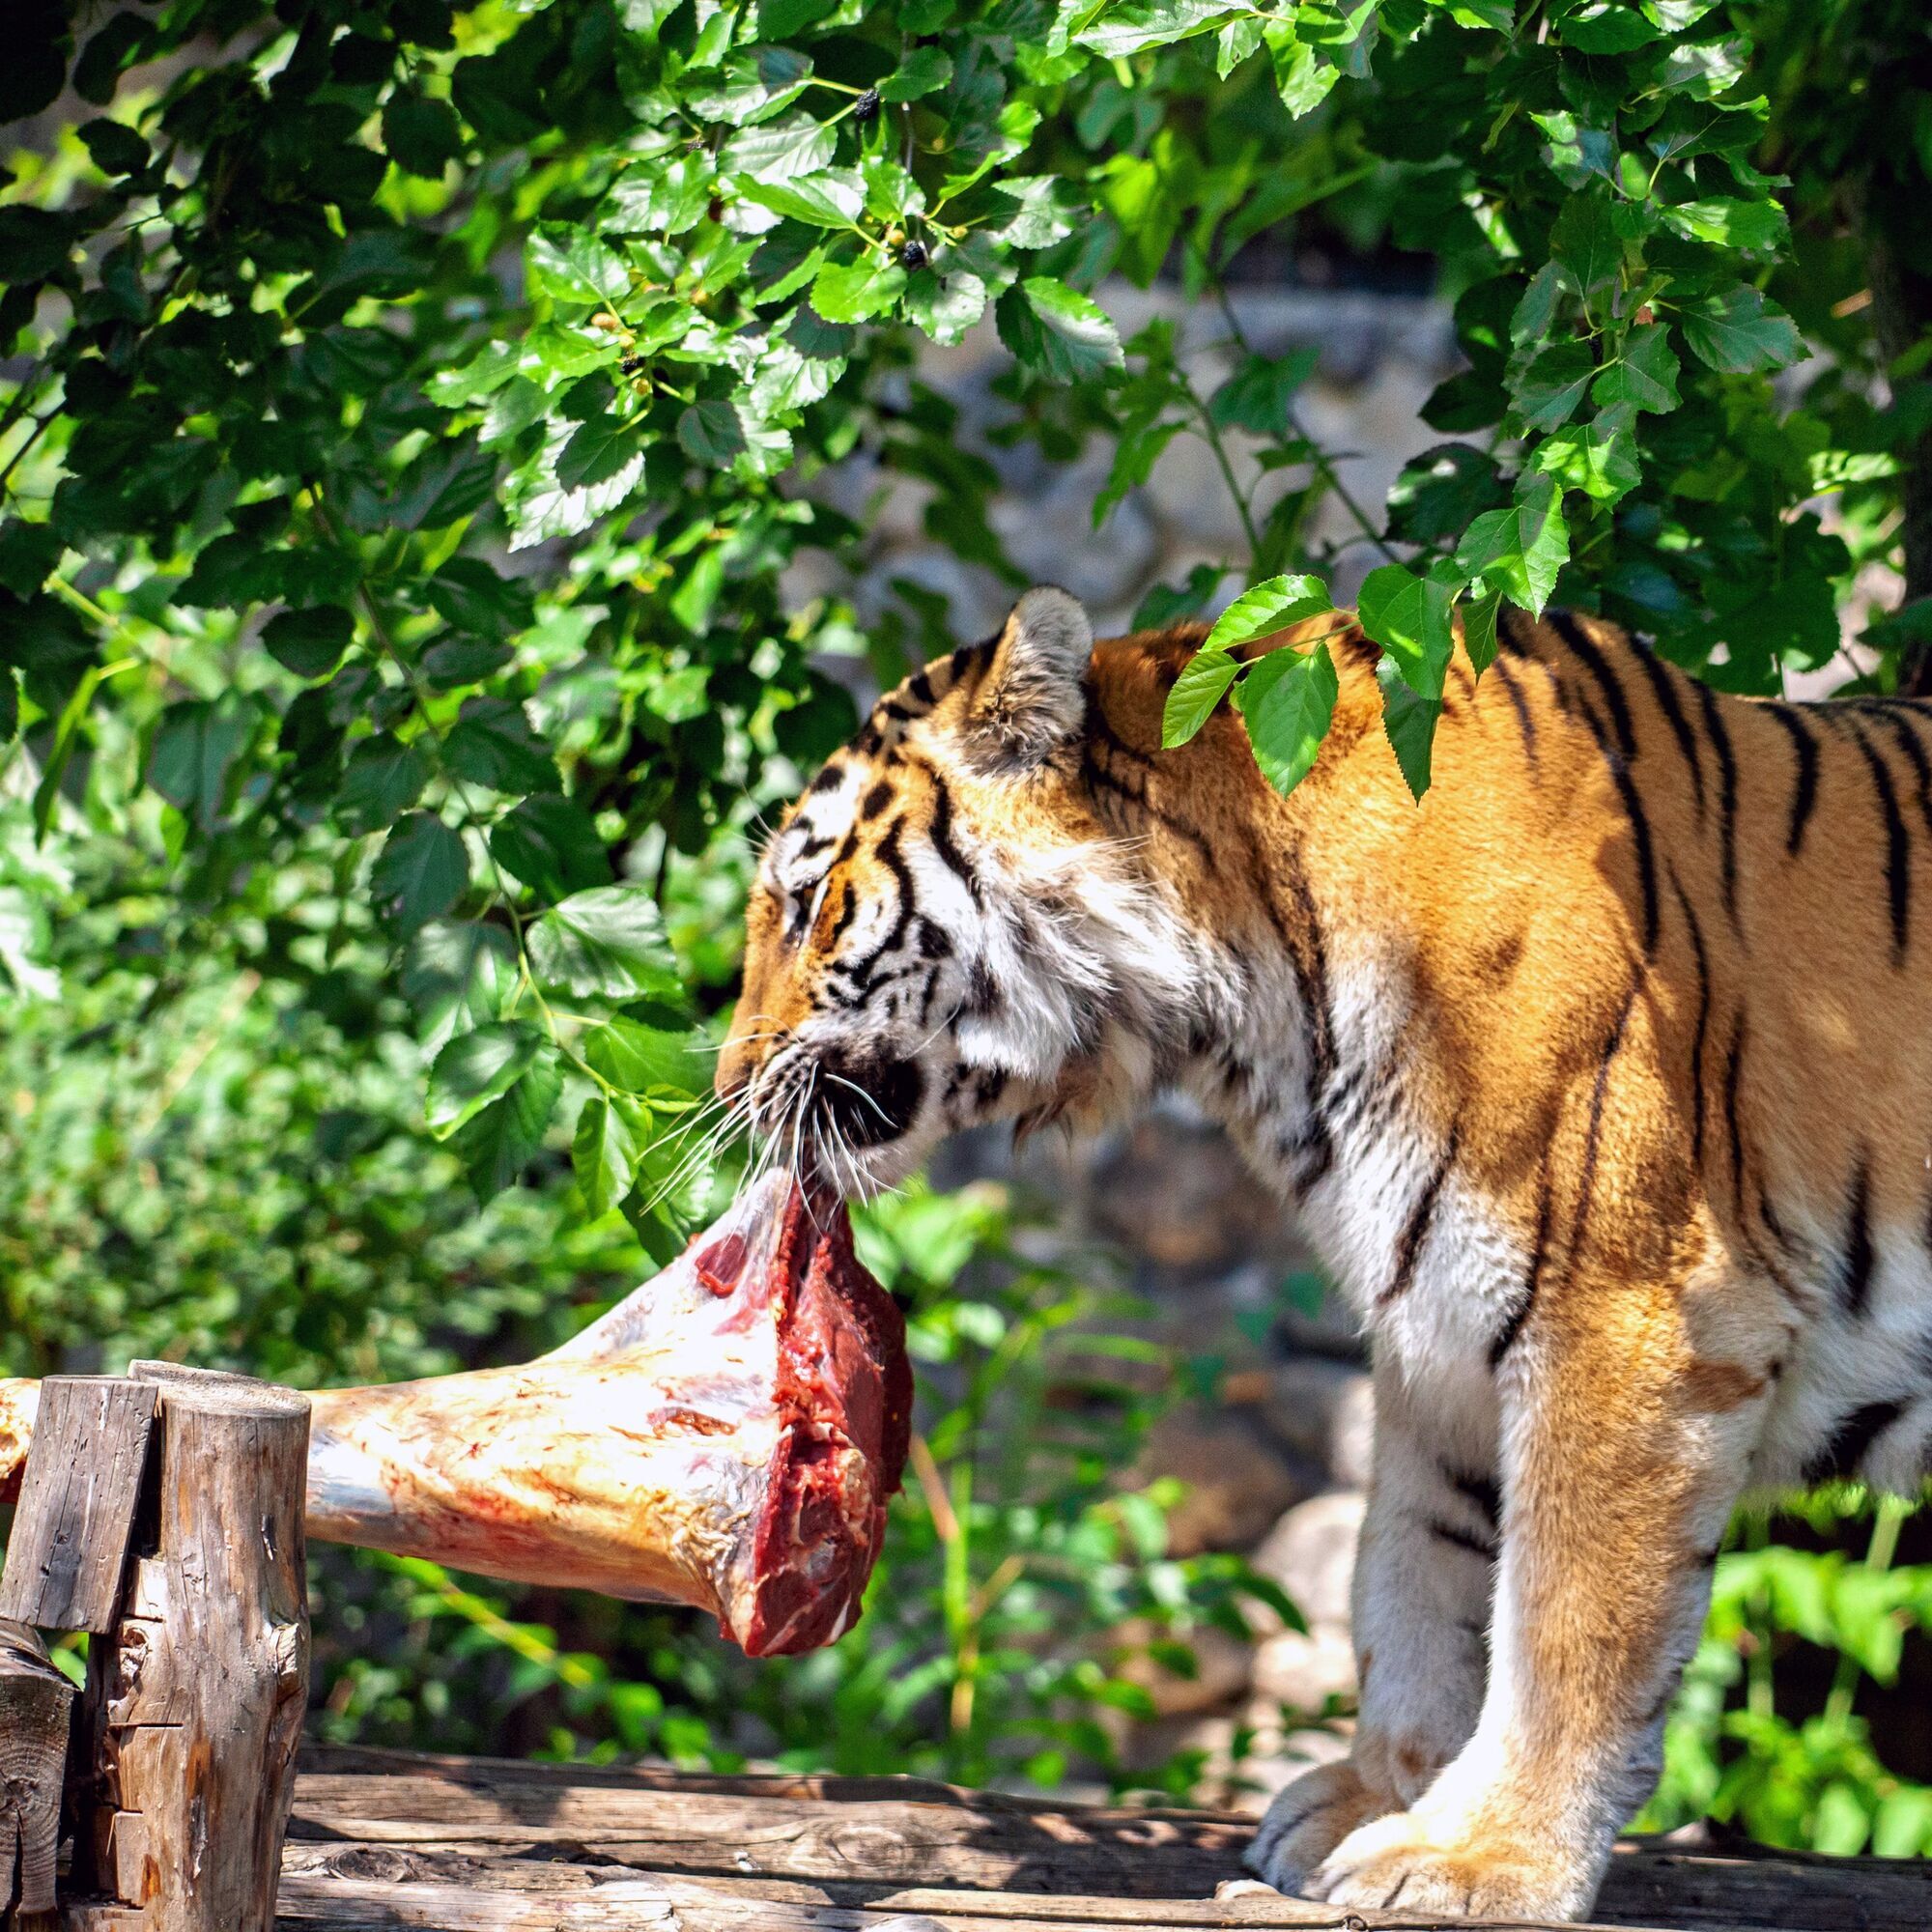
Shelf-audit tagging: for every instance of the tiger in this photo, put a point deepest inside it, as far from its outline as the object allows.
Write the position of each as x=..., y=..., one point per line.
x=1601, y=1081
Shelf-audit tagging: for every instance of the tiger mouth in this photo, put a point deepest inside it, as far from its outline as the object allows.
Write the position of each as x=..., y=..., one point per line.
x=869, y=1104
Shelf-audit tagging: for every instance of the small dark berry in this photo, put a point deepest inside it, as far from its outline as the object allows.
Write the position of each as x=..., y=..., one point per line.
x=912, y=257
x=866, y=107
x=630, y=364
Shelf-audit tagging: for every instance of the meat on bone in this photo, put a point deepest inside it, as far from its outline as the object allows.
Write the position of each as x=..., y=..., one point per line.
x=726, y=1437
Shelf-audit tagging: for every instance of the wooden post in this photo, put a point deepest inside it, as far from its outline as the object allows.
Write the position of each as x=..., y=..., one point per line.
x=35, y=1700
x=195, y=1699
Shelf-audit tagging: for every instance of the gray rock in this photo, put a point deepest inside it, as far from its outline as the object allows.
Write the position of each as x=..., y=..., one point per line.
x=1237, y=1480
x=1326, y=1409
x=1311, y=1555
x=1304, y=1669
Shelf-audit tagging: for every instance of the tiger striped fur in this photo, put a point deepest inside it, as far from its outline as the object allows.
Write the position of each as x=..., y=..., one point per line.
x=1601, y=1080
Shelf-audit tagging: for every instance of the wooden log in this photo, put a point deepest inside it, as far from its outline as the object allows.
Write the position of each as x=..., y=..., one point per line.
x=195, y=1701
x=35, y=1700
x=68, y=1552
x=881, y=1842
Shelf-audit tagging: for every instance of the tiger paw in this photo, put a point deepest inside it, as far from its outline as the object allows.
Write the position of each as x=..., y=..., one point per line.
x=1308, y=1819
x=1395, y=1864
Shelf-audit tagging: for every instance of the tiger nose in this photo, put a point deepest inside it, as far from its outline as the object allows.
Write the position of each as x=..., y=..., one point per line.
x=735, y=1068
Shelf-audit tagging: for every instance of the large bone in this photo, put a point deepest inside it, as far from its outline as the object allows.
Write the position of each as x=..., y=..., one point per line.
x=726, y=1438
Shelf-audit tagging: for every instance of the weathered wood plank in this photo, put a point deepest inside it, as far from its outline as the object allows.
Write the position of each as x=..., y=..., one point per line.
x=35, y=1700
x=378, y=1887
x=869, y=1849
x=69, y=1548
x=195, y=1699
x=899, y=1830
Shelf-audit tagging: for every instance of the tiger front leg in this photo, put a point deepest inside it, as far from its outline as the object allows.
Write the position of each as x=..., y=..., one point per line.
x=1623, y=1457
x=1421, y=1614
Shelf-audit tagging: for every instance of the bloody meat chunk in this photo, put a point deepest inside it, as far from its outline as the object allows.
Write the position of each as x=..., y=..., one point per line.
x=726, y=1436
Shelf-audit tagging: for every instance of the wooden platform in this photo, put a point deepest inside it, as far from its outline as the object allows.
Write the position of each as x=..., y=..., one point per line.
x=384, y=1841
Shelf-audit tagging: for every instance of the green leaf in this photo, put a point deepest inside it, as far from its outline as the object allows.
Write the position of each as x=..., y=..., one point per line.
x=476, y=1067
x=1606, y=27
x=1644, y=376
x=1739, y=332
x=646, y=1060
x=309, y=642
x=1409, y=616
x=605, y=1150
x=1549, y=389
x=1259, y=394
x=1584, y=240
x=1519, y=550
x=923, y=71
x=550, y=844
x=1409, y=720
x=1598, y=457
x=1479, y=629
x=1193, y=695
x=458, y=974
x=833, y=198
x=114, y=148
x=858, y=293
x=383, y=779
x=504, y=1137
x=467, y=593
x=420, y=873
x=751, y=86
x=1288, y=698
x=494, y=744
x=1439, y=491
x=1270, y=606
x=1047, y=212
x=28, y=555
x=781, y=151
x=596, y=451
x=422, y=135
x=945, y=305
x=1130, y=26
x=1756, y=227
x=571, y=266
x=197, y=745
x=607, y=944
x=1056, y=333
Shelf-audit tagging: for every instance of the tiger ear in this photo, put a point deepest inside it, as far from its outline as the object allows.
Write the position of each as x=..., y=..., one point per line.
x=1034, y=698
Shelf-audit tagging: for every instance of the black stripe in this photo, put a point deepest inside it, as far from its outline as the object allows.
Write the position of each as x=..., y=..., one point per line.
x=1476, y=1545
x=1914, y=746
x=1851, y=1441
x=1512, y=1327
x=1308, y=956
x=1519, y=703
x=1856, y=1277
x=939, y=833
x=1586, y=1180
x=1734, y=1063
x=1719, y=733
x=1640, y=824
x=1663, y=687
x=1805, y=795
x=1897, y=852
x=1479, y=1490
x=1703, y=1025
x=1409, y=1248
x=1598, y=666
x=918, y=687
x=877, y=798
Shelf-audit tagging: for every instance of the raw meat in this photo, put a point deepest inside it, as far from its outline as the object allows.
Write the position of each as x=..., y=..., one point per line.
x=726, y=1437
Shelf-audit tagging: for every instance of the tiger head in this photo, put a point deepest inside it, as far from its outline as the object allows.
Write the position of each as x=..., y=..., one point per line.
x=946, y=931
